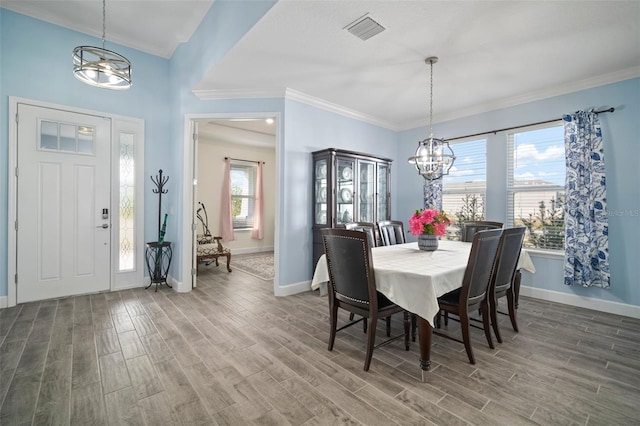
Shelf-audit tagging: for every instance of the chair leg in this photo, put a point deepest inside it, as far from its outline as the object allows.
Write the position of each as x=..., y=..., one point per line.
x=414, y=327
x=371, y=340
x=485, y=323
x=351, y=316
x=364, y=325
x=446, y=318
x=493, y=310
x=389, y=326
x=512, y=310
x=407, y=328
x=333, y=319
x=466, y=338
x=229, y=262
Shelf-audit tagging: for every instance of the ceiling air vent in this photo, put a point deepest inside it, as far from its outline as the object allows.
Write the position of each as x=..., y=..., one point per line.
x=364, y=28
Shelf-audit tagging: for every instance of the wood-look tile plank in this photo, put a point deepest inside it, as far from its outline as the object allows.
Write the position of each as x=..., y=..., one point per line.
x=131, y=345
x=87, y=405
x=211, y=391
x=114, y=373
x=186, y=402
x=156, y=410
x=294, y=412
x=156, y=347
x=143, y=325
x=355, y=406
x=20, y=401
x=122, y=321
x=122, y=408
x=107, y=341
x=144, y=380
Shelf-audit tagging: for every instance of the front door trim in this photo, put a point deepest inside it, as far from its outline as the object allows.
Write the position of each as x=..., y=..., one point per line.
x=13, y=189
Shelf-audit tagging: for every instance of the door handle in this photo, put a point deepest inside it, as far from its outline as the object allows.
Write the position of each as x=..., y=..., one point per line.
x=103, y=226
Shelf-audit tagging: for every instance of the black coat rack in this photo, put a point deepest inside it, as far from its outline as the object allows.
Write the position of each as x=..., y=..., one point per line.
x=160, y=181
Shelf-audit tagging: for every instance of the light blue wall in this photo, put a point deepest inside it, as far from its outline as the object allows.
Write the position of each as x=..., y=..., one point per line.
x=222, y=27
x=622, y=151
x=309, y=129
x=36, y=64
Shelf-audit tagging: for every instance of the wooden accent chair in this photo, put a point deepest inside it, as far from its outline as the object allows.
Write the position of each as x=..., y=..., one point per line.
x=504, y=276
x=470, y=228
x=391, y=232
x=475, y=287
x=209, y=249
x=352, y=286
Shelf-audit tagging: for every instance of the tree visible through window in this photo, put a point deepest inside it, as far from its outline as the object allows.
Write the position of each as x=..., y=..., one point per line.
x=243, y=184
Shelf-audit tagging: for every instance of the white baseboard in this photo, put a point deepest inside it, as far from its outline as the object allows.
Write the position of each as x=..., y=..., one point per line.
x=4, y=300
x=294, y=288
x=250, y=250
x=601, y=305
x=179, y=286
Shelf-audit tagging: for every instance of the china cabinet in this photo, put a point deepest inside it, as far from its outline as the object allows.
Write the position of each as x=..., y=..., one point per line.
x=348, y=187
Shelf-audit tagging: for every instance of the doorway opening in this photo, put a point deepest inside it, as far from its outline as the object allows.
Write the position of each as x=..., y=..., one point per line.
x=245, y=139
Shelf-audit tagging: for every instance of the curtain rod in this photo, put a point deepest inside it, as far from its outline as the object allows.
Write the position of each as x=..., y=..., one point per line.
x=248, y=161
x=518, y=127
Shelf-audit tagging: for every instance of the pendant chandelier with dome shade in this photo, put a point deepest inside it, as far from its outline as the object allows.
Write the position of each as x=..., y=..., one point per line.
x=434, y=157
x=100, y=67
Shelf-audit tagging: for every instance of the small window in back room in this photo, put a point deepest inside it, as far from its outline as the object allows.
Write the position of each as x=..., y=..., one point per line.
x=243, y=184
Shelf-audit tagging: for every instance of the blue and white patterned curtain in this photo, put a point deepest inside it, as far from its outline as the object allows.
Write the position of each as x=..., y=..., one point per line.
x=433, y=194
x=586, y=259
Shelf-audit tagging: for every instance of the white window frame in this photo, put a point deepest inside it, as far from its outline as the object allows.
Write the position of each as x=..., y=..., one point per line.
x=512, y=188
x=247, y=222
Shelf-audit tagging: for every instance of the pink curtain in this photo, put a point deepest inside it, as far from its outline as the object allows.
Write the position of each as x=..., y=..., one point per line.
x=258, y=209
x=226, y=220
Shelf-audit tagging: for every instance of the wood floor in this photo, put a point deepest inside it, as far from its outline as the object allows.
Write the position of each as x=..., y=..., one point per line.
x=231, y=353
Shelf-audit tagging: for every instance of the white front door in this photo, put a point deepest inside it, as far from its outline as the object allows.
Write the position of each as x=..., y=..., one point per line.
x=63, y=207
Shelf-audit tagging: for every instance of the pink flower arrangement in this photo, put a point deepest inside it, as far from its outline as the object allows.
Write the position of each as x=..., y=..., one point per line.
x=429, y=221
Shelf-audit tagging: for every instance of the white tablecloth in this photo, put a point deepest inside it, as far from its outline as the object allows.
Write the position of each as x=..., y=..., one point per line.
x=414, y=279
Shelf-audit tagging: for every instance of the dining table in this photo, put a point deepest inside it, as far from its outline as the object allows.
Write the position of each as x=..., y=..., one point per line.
x=414, y=279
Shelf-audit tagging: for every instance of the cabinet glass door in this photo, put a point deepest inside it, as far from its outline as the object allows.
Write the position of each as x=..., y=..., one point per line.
x=320, y=185
x=383, y=192
x=366, y=199
x=344, y=191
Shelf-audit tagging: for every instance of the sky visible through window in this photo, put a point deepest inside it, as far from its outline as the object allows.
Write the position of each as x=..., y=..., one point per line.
x=539, y=155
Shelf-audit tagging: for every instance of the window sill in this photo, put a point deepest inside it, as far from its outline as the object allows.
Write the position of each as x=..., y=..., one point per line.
x=243, y=230
x=549, y=254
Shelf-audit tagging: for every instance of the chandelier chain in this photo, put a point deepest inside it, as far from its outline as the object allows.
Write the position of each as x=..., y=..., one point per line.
x=104, y=21
x=431, y=102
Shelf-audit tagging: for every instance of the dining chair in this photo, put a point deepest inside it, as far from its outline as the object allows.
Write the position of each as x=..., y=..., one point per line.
x=369, y=228
x=352, y=286
x=504, y=276
x=391, y=232
x=470, y=228
x=374, y=240
x=475, y=286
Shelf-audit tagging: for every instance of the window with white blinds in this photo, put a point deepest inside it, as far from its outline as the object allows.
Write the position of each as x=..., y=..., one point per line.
x=243, y=184
x=536, y=185
x=464, y=188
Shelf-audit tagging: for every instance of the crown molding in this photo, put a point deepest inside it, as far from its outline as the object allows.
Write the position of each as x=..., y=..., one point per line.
x=533, y=96
x=206, y=95
x=295, y=95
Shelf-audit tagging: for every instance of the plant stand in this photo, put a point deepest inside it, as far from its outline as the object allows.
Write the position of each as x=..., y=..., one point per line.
x=158, y=256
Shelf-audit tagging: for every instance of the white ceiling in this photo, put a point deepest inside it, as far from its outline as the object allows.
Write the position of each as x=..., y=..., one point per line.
x=492, y=53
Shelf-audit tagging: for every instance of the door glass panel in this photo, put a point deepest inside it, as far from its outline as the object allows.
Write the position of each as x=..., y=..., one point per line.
x=345, y=190
x=127, y=203
x=383, y=193
x=320, y=185
x=367, y=190
x=85, y=139
x=67, y=137
x=48, y=135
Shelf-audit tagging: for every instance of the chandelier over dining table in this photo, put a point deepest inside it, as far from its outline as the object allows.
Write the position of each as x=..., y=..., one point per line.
x=434, y=157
